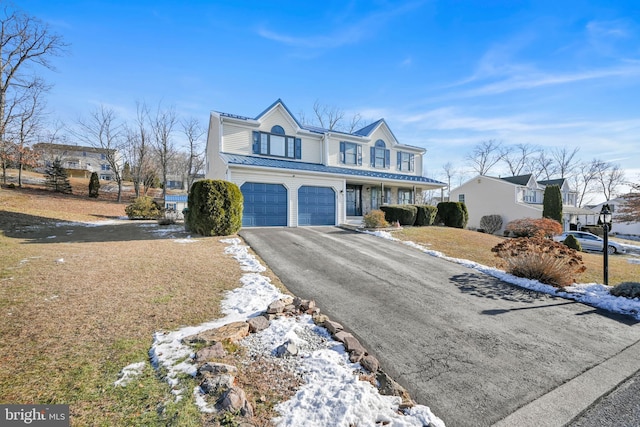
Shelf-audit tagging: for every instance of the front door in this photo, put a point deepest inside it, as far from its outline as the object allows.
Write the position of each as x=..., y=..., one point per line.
x=354, y=200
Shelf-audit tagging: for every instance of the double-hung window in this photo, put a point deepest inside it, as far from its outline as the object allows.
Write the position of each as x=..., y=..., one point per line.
x=405, y=161
x=405, y=197
x=380, y=155
x=277, y=144
x=350, y=153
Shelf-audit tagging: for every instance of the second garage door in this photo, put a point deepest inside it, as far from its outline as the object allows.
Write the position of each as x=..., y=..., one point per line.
x=316, y=206
x=264, y=204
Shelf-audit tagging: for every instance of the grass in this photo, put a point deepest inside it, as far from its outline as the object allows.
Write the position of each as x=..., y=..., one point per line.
x=77, y=308
x=69, y=327
x=474, y=246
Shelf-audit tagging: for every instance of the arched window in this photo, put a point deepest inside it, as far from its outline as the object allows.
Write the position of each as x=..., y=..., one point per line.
x=380, y=156
x=278, y=130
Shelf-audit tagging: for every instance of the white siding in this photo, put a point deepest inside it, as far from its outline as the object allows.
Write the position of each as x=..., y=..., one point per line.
x=236, y=139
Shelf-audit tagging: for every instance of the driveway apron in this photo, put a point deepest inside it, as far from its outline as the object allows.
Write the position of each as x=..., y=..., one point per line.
x=471, y=347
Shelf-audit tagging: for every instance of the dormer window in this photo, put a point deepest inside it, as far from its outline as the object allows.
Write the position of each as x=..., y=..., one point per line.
x=276, y=143
x=380, y=155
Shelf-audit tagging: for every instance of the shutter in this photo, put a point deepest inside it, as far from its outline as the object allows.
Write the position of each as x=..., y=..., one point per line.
x=359, y=150
x=342, y=149
x=387, y=158
x=373, y=157
x=298, y=148
x=399, y=160
x=411, y=160
x=256, y=142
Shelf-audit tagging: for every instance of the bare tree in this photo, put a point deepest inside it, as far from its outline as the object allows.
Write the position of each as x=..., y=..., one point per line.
x=23, y=129
x=609, y=178
x=193, y=130
x=103, y=130
x=485, y=155
x=331, y=118
x=24, y=42
x=519, y=158
x=138, y=149
x=162, y=128
x=565, y=160
x=543, y=166
x=448, y=172
x=583, y=181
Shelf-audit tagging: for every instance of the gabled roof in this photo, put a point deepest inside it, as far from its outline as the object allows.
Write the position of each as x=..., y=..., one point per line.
x=272, y=106
x=518, y=180
x=559, y=182
x=367, y=130
x=237, y=159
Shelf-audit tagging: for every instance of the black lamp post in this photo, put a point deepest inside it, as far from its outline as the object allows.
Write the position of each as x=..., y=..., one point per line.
x=605, y=219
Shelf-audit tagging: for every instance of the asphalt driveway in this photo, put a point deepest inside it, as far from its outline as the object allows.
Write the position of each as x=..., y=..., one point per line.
x=474, y=349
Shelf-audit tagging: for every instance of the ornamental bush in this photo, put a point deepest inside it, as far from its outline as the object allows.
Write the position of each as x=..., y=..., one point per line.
x=143, y=208
x=573, y=243
x=94, y=185
x=375, y=219
x=530, y=227
x=426, y=215
x=552, y=203
x=214, y=208
x=627, y=290
x=404, y=214
x=541, y=259
x=491, y=223
x=453, y=214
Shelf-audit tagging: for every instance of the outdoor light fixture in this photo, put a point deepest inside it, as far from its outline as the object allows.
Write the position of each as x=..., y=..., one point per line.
x=605, y=219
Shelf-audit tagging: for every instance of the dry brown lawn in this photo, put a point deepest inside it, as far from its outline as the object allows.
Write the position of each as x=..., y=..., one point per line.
x=474, y=246
x=79, y=303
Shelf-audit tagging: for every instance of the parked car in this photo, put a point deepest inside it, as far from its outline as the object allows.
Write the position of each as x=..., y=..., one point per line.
x=591, y=242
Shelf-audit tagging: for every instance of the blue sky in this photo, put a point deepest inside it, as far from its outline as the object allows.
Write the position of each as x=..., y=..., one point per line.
x=444, y=74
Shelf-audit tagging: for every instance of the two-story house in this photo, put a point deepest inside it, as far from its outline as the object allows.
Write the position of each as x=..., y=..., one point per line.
x=79, y=161
x=517, y=197
x=292, y=174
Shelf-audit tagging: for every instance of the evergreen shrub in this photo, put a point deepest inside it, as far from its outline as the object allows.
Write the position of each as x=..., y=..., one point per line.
x=404, y=214
x=453, y=214
x=627, y=290
x=573, y=243
x=94, y=185
x=375, y=219
x=426, y=215
x=214, y=208
x=143, y=208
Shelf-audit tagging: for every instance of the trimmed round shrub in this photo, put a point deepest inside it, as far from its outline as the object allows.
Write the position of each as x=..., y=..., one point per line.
x=426, y=215
x=530, y=227
x=573, y=243
x=491, y=223
x=542, y=259
x=453, y=214
x=143, y=208
x=375, y=219
x=214, y=208
x=627, y=290
x=404, y=214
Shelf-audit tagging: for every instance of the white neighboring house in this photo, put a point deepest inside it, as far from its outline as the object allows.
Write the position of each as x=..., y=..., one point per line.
x=296, y=175
x=517, y=197
x=617, y=227
x=79, y=161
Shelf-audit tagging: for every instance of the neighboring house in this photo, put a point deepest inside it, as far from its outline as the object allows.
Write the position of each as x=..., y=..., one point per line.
x=517, y=197
x=617, y=227
x=292, y=174
x=176, y=202
x=79, y=161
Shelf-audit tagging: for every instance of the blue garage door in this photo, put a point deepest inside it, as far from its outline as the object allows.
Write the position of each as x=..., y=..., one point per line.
x=264, y=204
x=316, y=206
